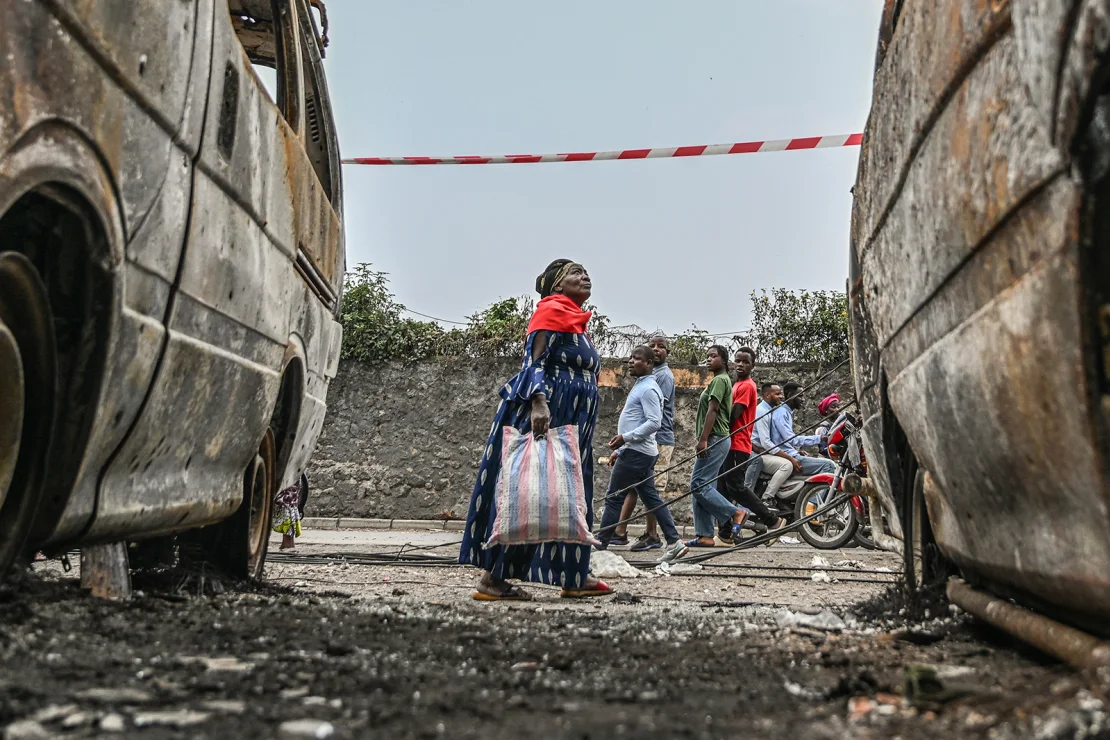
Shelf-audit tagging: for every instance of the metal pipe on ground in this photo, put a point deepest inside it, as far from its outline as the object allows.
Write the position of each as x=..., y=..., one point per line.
x=1070, y=645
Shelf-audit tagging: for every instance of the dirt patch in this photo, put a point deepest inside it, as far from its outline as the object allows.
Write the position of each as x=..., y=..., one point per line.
x=242, y=662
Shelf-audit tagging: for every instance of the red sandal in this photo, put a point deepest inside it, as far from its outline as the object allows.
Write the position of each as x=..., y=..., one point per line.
x=601, y=588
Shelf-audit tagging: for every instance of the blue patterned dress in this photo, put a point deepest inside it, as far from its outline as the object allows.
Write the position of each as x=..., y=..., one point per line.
x=567, y=374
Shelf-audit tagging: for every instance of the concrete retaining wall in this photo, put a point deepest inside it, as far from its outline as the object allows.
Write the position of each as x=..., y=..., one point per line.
x=402, y=441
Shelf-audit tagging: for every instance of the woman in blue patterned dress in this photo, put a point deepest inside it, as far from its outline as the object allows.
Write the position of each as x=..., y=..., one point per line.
x=556, y=386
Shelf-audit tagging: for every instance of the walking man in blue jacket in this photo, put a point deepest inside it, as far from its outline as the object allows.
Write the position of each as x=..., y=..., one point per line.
x=635, y=449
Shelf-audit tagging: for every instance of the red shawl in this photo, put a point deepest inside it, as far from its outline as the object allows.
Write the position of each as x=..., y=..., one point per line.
x=559, y=313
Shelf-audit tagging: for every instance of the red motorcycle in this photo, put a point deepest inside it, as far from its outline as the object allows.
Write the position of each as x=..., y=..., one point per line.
x=851, y=519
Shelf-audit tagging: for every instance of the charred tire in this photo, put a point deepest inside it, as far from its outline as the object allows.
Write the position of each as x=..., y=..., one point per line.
x=27, y=399
x=924, y=567
x=822, y=532
x=238, y=545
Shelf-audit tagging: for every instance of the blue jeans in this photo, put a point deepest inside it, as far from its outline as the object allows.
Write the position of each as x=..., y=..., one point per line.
x=709, y=504
x=751, y=473
x=815, y=465
x=632, y=467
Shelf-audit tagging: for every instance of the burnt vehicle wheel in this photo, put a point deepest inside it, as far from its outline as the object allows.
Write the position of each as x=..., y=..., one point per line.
x=833, y=529
x=925, y=568
x=238, y=545
x=27, y=372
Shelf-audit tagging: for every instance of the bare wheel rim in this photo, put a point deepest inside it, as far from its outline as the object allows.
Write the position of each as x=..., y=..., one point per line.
x=11, y=407
x=830, y=525
x=261, y=498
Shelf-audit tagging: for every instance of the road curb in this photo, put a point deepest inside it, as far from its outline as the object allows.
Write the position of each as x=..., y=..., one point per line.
x=350, y=522
x=441, y=525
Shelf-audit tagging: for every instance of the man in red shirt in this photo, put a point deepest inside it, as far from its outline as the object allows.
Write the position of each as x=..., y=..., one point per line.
x=745, y=397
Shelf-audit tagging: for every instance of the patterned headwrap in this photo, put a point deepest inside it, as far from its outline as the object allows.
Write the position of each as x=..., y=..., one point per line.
x=552, y=276
x=827, y=402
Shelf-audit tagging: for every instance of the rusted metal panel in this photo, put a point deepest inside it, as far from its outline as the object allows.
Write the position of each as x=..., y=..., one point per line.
x=986, y=153
x=1041, y=29
x=245, y=147
x=936, y=42
x=1043, y=226
x=1088, y=42
x=192, y=119
x=148, y=43
x=1008, y=437
x=234, y=269
x=53, y=77
x=967, y=293
x=183, y=465
x=78, y=69
x=256, y=204
x=228, y=330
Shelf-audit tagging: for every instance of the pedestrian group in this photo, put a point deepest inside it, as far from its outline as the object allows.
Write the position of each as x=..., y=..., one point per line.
x=740, y=431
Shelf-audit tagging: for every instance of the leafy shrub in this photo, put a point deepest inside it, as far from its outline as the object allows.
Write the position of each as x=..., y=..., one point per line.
x=799, y=326
x=375, y=329
x=787, y=326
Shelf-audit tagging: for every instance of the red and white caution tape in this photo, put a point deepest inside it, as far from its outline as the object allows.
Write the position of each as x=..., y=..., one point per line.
x=703, y=150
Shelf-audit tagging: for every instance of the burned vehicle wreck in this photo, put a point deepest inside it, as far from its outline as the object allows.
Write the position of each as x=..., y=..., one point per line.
x=979, y=289
x=171, y=264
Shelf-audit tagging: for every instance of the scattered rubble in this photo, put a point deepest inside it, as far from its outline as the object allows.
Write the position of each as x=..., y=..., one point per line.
x=113, y=723
x=114, y=696
x=824, y=620
x=436, y=664
x=179, y=718
x=606, y=564
x=675, y=569
x=26, y=729
x=312, y=728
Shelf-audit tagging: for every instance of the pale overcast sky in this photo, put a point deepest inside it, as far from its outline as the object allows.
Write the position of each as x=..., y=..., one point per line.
x=669, y=243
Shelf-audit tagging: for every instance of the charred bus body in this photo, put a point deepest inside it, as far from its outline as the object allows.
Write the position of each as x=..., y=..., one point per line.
x=171, y=262
x=980, y=296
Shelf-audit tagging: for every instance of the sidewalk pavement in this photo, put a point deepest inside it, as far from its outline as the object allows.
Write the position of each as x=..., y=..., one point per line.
x=635, y=529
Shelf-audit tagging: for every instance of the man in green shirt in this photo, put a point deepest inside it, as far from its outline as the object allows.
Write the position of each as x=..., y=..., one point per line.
x=714, y=412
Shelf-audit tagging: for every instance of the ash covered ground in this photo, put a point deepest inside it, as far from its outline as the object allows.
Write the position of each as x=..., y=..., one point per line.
x=402, y=652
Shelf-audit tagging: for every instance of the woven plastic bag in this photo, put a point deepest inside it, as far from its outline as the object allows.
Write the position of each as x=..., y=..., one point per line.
x=539, y=493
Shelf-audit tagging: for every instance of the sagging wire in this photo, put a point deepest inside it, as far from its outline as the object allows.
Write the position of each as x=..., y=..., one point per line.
x=447, y=559
x=683, y=461
x=771, y=535
x=720, y=475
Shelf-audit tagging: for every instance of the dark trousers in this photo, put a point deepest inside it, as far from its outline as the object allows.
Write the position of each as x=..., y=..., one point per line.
x=632, y=467
x=738, y=492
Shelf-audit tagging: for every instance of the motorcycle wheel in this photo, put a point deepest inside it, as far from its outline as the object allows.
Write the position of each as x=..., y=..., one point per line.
x=863, y=531
x=831, y=531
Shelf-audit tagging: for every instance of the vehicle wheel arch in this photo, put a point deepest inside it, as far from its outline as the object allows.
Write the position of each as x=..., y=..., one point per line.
x=286, y=416
x=55, y=175
x=55, y=153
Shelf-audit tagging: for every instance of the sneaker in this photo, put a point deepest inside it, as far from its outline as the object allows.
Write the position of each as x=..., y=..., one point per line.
x=618, y=540
x=778, y=525
x=645, y=543
x=673, y=552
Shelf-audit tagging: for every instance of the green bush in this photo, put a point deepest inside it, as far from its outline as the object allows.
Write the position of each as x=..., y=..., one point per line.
x=787, y=326
x=799, y=326
x=376, y=331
